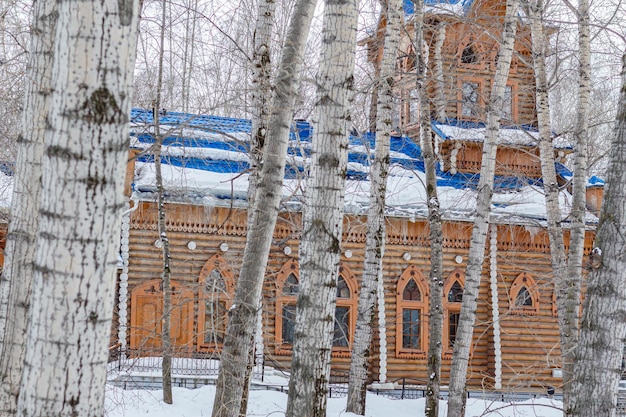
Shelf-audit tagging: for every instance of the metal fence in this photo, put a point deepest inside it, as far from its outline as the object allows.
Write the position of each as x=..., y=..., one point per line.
x=129, y=370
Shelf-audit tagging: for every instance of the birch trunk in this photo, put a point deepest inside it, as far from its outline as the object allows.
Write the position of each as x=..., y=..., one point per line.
x=261, y=99
x=567, y=287
x=463, y=341
x=320, y=246
x=600, y=346
x=577, y=214
x=435, y=311
x=16, y=277
x=166, y=338
x=81, y=202
x=375, y=236
x=242, y=318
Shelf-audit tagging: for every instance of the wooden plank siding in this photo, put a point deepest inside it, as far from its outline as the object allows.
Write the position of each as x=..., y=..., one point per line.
x=529, y=343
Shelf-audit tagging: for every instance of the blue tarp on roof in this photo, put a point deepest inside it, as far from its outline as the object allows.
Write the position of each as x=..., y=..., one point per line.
x=409, y=8
x=229, y=134
x=595, y=181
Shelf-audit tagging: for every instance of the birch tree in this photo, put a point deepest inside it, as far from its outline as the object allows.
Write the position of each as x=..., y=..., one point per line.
x=598, y=357
x=320, y=245
x=568, y=295
x=435, y=311
x=166, y=273
x=242, y=318
x=85, y=154
x=567, y=271
x=261, y=99
x=16, y=278
x=463, y=340
x=375, y=235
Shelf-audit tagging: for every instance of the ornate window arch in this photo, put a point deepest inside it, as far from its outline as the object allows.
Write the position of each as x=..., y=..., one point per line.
x=411, y=313
x=471, y=53
x=524, y=296
x=452, y=298
x=146, y=316
x=287, y=285
x=345, y=312
x=216, y=292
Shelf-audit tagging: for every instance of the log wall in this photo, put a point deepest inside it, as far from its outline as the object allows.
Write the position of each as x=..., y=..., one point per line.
x=529, y=342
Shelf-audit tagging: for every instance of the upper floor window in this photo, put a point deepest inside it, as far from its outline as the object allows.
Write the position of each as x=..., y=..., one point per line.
x=472, y=53
x=412, y=304
x=470, y=100
x=469, y=55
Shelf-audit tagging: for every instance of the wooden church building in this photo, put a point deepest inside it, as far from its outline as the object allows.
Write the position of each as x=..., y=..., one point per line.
x=516, y=337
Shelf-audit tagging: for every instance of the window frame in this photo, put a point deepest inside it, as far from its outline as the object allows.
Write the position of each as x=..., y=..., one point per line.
x=352, y=304
x=514, y=104
x=218, y=263
x=412, y=273
x=524, y=280
x=290, y=267
x=480, y=103
x=451, y=307
x=482, y=56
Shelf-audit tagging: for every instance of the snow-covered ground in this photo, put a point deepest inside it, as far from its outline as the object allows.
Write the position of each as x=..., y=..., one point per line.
x=199, y=402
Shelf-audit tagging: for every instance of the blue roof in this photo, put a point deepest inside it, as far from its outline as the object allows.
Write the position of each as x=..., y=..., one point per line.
x=595, y=181
x=409, y=8
x=230, y=134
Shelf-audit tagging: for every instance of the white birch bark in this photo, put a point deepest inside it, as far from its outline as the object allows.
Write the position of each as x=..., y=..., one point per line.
x=375, y=236
x=320, y=246
x=567, y=287
x=166, y=339
x=435, y=310
x=16, y=277
x=572, y=286
x=243, y=316
x=463, y=341
x=603, y=329
x=577, y=215
x=81, y=202
x=261, y=99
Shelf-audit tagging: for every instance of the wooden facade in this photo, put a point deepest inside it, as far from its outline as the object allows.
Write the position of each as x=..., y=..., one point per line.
x=528, y=330
x=516, y=336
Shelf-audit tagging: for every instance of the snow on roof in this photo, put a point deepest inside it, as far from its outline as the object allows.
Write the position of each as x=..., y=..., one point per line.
x=523, y=135
x=205, y=162
x=451, y=7
x=595, y=181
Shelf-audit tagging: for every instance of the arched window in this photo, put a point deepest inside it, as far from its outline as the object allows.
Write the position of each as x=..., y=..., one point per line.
x=524, y=295
x=345, y=312
x=411, y=305
x=469, y=55
x=472, y=53
x=287, y=286
x=215, y=294
x=453, y=296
